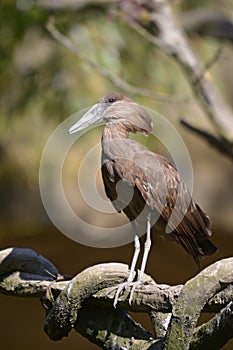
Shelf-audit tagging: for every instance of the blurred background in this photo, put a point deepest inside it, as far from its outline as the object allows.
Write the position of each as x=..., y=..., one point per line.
x=42, y=84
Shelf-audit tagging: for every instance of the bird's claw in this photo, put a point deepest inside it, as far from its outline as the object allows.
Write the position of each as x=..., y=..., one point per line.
x=120, y=289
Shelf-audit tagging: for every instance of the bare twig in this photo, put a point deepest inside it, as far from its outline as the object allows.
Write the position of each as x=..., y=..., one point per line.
x=160, y=27
x=208, y=22
x=204, y=21
x=72, y=5
x=217, y=142
x=208, y=65
x=163, y=30
x=114, y=79
x=154, y=20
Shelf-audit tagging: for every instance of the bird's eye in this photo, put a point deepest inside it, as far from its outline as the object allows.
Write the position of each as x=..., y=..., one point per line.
x=111, y=100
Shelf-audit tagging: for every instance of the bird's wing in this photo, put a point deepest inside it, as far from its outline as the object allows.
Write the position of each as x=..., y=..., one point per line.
x=162, y=189
x=140, y=176
x=157, y=181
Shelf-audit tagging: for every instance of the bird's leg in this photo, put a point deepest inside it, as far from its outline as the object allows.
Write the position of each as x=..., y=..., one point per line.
x=130, y=279
x=130, y=282
x=136, y=252
x=147, y=247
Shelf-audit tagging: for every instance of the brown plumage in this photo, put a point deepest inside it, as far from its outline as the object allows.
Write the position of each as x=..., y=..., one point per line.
x=140, y=182
x=148, y=173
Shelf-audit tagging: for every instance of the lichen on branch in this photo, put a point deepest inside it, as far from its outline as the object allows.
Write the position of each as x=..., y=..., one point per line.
x=86, y=304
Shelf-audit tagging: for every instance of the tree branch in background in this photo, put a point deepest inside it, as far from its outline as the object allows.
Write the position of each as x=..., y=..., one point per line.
x=85, y=304
x=207, y=22
x=216, y=142
x=155, y=21
x=114, y=79
x=72, y=5
x=160, y=27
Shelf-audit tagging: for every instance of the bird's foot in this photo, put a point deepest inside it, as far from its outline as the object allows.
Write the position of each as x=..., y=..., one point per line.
x=134, y=286
x=121, y=288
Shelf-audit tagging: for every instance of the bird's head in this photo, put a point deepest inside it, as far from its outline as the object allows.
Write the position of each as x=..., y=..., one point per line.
x=116, y=108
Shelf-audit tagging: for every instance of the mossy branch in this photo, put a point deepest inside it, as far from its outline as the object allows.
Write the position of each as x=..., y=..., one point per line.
x=85, y=304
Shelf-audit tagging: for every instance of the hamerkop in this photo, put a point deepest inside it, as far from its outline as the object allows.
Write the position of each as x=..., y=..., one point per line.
x=144, y=185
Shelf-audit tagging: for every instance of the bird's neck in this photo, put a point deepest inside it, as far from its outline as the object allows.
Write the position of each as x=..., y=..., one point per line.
x=115, y=131
x=114, y=139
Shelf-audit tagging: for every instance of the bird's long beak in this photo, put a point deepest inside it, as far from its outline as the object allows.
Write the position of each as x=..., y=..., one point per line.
x=93, y=115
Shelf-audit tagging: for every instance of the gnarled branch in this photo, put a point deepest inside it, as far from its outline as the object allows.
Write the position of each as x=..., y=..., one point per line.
x=84, y=302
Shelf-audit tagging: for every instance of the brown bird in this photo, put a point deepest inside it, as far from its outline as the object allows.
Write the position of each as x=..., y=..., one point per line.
x=144, y=185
